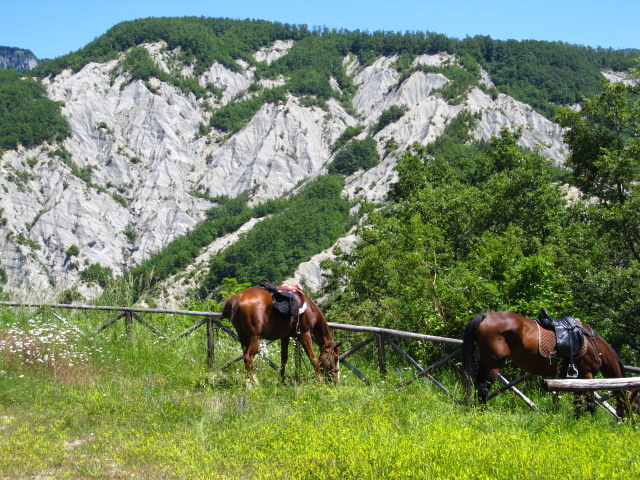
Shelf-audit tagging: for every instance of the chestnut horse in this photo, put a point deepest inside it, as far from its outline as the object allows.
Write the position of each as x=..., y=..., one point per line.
x=503, y=335
x=254, y=317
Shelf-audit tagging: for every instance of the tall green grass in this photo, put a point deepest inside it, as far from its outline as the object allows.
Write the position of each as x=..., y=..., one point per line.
x=106, y=406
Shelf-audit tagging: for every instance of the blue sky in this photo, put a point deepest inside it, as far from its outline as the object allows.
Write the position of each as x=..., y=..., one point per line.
x=50, y=28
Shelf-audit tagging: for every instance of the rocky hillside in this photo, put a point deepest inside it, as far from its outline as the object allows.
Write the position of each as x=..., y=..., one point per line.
x=17, y=58
x=137, y=172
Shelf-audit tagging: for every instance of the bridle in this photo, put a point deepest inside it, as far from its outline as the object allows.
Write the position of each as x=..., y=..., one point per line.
x=328, y=357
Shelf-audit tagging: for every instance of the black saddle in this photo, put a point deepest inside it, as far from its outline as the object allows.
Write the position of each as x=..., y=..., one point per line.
x=283, y=302
x=569, y=337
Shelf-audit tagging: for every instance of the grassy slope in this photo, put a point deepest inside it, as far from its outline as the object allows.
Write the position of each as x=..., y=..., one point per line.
x=104, y=408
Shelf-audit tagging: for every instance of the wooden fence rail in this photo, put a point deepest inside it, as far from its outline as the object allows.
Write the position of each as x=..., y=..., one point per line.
x=589, y=385
x=379, y=336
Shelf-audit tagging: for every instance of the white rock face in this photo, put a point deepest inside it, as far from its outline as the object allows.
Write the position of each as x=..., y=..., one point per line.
x=274, y=52
x=122, y=186
x=619, y=77
x=310, y=275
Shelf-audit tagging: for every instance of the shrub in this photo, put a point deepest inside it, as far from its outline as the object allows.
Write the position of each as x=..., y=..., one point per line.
x=356, y=155
x=96, y=273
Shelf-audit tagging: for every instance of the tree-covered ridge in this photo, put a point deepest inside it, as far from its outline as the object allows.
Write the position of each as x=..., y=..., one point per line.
x=202, y=40
x=546, y=74
x=27, y=116
x=310, y=222
x=542, y=74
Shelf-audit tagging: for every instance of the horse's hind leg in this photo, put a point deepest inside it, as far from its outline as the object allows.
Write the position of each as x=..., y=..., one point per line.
x=583, y=401
x=249, y=354
x=484, y=380
x=555, y=401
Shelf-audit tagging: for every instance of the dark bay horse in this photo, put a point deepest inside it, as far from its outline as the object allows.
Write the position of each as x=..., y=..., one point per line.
x=254, y=317
x=503, y=335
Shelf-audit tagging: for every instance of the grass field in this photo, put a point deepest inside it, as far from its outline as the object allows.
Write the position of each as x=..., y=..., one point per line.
x=82, y=406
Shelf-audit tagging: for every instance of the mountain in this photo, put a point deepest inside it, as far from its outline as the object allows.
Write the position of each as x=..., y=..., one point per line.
x=17, y=58
x=147, y=156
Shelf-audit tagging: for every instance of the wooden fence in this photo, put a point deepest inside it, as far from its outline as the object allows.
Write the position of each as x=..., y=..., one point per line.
x=380, y=337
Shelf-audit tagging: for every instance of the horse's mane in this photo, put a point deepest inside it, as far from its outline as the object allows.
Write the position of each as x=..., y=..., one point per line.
x=315, y=308
x=612, y=351
x=321, y=323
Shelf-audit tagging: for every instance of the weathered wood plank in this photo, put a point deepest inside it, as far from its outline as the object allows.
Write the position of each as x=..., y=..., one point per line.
x=522, y=396
x=114, y=309
x=508, y=385
x=357, y=347
x=394, y=333
x=589, y=385
x=431, y=367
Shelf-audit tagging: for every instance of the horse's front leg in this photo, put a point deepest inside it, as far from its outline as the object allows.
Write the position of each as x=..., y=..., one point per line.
x=584, y=401
x=307, y=344
x=284, y=356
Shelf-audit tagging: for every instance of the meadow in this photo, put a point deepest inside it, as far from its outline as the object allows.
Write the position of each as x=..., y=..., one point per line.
x=74, y=405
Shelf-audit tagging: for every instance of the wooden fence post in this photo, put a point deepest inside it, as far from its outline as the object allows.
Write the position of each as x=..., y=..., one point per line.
x=128, y=325
x=210, y=343
x=382, y=359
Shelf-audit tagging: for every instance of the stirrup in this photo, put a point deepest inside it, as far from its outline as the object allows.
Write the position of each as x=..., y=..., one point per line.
x=572, y=371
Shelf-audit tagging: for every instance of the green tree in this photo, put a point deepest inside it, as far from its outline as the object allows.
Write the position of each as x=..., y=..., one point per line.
x=445, y=248
x=27, y=116
x=96, y=273
x=389, y=116
x=355, y=155
x=604, y=142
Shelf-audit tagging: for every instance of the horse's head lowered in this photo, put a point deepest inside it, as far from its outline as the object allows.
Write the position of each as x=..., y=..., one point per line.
x=330, y=359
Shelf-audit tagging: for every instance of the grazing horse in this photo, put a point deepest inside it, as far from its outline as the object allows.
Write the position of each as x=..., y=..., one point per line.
x=503, y=335
x=254, y=316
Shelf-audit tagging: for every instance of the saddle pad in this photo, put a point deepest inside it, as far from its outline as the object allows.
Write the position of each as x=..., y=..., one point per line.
x=547, y=344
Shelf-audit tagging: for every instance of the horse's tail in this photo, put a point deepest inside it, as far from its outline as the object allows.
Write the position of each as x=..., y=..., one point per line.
x=229, y=307
x=468, y=345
